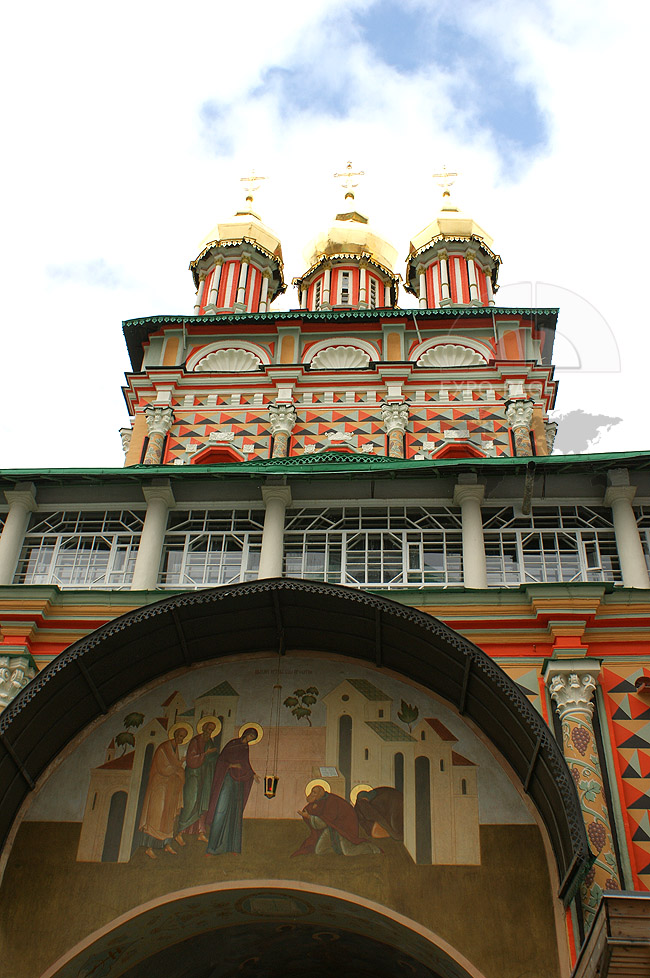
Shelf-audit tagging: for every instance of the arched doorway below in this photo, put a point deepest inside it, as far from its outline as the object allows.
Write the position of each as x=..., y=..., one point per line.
x=278, y=931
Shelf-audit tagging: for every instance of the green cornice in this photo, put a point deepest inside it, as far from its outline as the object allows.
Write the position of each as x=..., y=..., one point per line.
x=328, y=463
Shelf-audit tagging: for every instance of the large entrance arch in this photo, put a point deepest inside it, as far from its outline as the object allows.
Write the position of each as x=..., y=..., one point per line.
x=278, y=931
x=402, y=804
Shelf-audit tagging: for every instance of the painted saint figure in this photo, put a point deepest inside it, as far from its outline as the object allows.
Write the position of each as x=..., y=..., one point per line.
x=200, y=762
x=334, y=826
x=381, y=812
x=231, y=786
x=163, y=800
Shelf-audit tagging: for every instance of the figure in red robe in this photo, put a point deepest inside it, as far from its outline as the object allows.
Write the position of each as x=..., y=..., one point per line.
x=334, y=826
x=231, y=786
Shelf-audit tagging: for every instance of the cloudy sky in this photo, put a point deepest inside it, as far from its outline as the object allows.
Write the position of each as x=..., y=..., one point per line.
x=128, y=127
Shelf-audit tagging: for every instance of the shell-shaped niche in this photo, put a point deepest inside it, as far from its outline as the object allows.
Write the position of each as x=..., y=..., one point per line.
x=340, y=358
x=231, y=360
x=450, y=355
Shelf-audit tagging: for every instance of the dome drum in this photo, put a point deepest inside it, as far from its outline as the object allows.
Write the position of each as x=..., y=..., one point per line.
x=236, y=277
x=346, y=282
x=452, y=272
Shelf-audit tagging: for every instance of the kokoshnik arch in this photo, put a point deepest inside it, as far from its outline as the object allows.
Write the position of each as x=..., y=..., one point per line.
x=223, y=748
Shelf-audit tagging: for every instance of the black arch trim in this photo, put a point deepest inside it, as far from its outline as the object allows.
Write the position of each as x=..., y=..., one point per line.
x=288, y=615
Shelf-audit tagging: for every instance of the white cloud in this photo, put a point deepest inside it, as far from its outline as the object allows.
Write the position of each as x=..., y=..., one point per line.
x=115, y=163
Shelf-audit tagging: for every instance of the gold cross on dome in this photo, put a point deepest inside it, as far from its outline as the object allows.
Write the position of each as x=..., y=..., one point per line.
x=347, y=180
x=251, y=185
x=445, y=180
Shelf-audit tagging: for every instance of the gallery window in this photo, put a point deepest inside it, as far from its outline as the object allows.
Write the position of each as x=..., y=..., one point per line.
x=396, y=546
x=81, y=549
x=210, y=547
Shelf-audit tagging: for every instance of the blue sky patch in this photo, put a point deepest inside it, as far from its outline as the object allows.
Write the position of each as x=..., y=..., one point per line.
x=480, y=82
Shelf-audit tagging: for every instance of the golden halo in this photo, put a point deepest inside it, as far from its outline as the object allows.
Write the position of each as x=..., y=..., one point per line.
x=255, y=726
x=357, y=788
x=181, y=726
x=312, y=784
x=209, y=719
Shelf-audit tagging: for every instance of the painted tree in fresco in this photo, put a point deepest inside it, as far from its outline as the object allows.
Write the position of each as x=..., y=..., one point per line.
x=301, y=702
x=124, y=740
x=408, y=714
x=133, y=720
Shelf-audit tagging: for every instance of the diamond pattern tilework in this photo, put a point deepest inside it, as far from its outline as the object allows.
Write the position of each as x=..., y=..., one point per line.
x=629, y=714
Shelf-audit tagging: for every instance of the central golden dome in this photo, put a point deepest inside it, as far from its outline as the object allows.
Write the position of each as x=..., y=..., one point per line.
x=351, y=235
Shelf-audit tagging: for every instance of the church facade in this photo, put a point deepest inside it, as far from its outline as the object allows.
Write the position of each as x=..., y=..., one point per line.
x=344, y=667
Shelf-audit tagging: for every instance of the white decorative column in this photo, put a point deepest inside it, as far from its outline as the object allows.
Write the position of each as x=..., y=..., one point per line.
x=474, y=295
x=264, y=293
x=571, y=683
x=199, y=294
x=619, y=496
x=147, y=565
x=15, y=672
x=160, y=418
x=303, y=298
x=276, y=499
x=519, y=415
x=387, y=296
x=282, y=418
x=241, y=286
x=327, y=284
x=363, y=288
x=423, y=287
x=22, y=502
x=214, y=285
x=445, y=294
x=469, y=496
x=396, y=417
x=488, y=284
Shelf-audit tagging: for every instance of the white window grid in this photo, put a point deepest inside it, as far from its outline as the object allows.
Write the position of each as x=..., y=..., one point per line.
x=317, y=294
x=81, y=549
x=373, y=294
x=210, y=547
x=394, y=546
x=554, y=544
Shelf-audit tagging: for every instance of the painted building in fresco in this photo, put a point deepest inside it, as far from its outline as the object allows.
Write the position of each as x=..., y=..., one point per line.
x=343, y=669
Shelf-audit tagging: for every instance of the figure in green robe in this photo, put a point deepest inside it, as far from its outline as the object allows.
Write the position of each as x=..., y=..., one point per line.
x=199, y=771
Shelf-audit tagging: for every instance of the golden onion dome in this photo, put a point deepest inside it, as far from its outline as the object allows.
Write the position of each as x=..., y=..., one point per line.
x=244, y=226
x=452, y=224
x=350, y=235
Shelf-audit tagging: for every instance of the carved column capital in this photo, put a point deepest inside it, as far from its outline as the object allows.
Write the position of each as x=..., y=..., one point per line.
x=395, y=416
x=519, y=413
x=160, y=418
x=282, y=418
x=571, y=683
x=551, y=431
x=125, y=435
x=15, y=672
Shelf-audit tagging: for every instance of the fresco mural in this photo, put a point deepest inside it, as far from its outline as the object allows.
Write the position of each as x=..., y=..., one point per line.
x=301, y=769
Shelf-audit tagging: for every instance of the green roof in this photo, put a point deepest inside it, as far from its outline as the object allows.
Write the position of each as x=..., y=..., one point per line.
x=368, y=690
x=223, y=689
x=336, y=463
x=389, y=731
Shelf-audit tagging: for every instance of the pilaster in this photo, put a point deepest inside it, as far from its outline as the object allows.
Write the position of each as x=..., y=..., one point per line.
x=160, y=418
x=519, y=415
x=395, y=417
x=571, y=684
x=282, y=418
